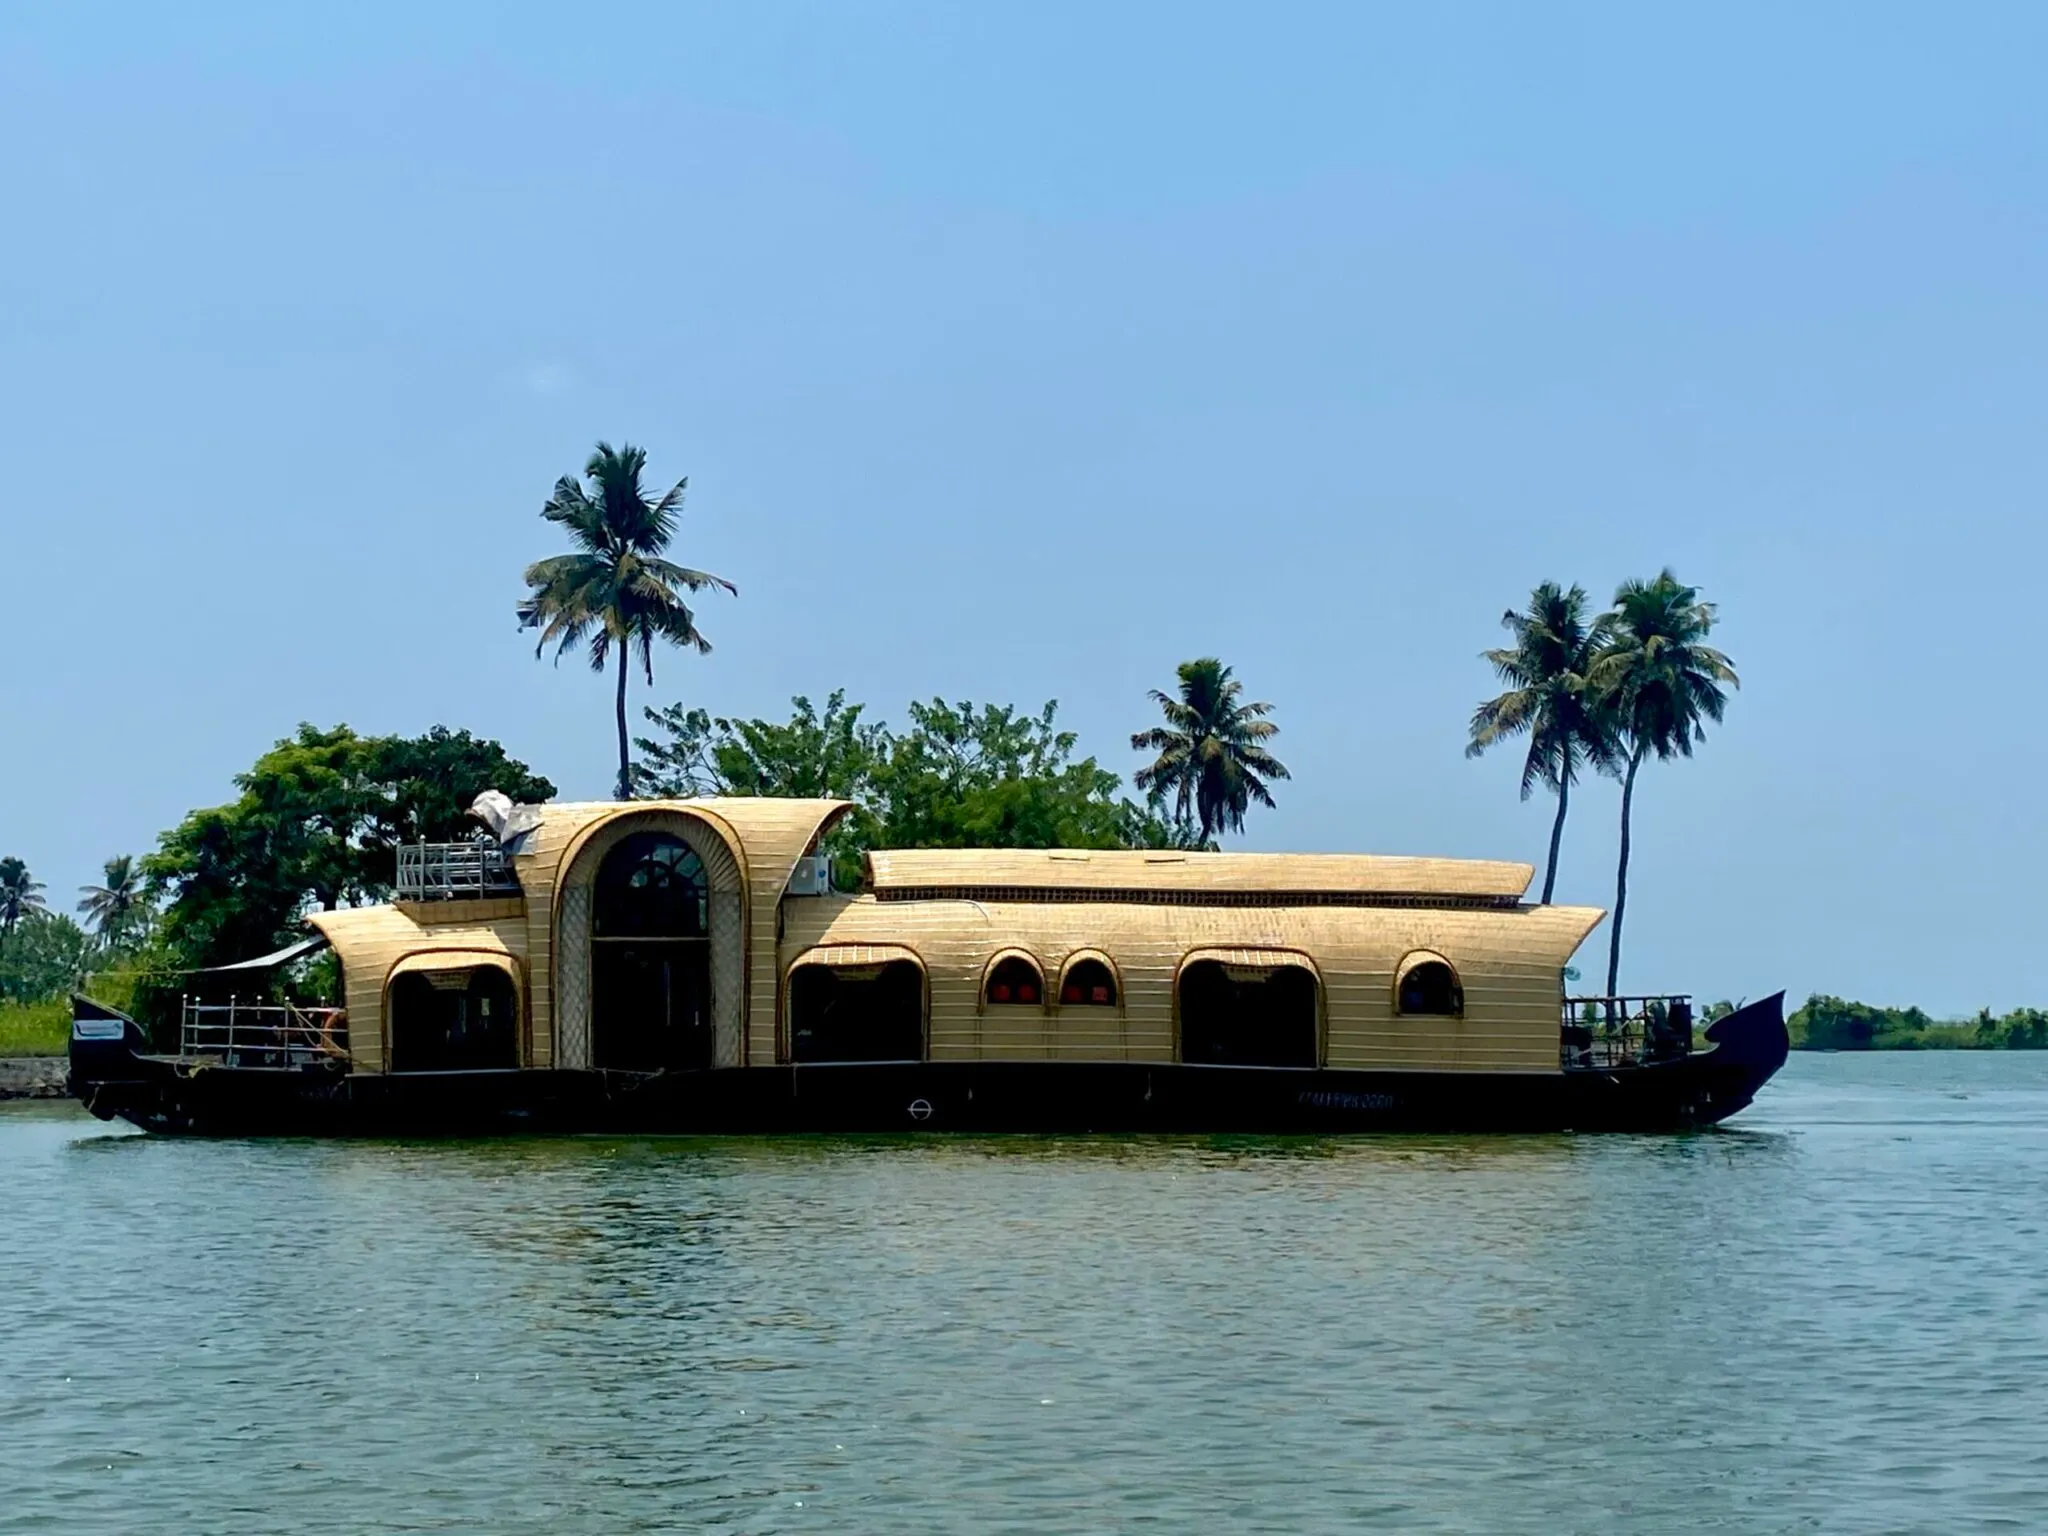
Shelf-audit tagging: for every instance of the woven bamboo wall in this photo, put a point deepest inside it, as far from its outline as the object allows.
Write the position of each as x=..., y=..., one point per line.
x=767, y=837
x=1509, y=961
x=1508, y=958
x=774, y=834
x=372, y=940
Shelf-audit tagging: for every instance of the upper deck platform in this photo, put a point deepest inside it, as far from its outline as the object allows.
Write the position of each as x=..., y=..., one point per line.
x=475, y=871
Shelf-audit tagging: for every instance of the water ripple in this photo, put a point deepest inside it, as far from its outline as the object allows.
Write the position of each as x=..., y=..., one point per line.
x=1830, y=1318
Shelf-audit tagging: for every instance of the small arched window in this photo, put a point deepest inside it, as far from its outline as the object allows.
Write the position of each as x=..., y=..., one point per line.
x=1429, y=986
x=1088, y=984
x=1014, y=981
x=651, y=886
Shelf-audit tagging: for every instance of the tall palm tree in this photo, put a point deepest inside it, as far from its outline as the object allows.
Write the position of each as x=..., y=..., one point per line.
x=19, y=896
x=616, y=588
x=114, y=908
x=1663, y=683
x=1212, y=761
x=1548, y=700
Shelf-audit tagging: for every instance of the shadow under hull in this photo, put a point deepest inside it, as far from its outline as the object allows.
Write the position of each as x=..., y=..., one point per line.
x=115, y=1077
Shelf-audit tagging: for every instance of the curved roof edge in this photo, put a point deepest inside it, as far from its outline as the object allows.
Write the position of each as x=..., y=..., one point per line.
x=761, y=827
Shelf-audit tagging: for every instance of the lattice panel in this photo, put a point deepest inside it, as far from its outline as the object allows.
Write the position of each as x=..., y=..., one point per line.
x=572, y=981
x=728, y=965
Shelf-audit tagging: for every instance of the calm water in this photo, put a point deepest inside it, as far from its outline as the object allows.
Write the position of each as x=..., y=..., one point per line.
x=1830, y=1318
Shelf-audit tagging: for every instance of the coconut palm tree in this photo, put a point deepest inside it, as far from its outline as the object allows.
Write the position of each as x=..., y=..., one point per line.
x=1211, y=759
x=19, y=896
x=114, y=908
x=616, y=588
x=1662, y=683
x=1548, y=700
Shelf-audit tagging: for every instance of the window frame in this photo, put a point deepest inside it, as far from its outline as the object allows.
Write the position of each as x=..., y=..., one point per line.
x=1413, y=961
x=982, y=1002
x=1108, y=963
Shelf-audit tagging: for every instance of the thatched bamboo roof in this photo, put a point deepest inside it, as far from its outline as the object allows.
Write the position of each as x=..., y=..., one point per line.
x=932, y=870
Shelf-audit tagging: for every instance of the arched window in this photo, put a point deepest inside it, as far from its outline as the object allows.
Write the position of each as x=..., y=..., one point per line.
x=651, y=886
x=1014, y=981
x=1429, y=986
x=1089, y=983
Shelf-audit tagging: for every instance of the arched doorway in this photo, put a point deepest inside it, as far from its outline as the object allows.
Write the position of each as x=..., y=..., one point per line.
x=856, y=1007
x=455, y=1018
x=650, y=957
x=1244, y=1009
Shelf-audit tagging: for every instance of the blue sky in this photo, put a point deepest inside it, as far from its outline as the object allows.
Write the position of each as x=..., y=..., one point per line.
x=1021, y=353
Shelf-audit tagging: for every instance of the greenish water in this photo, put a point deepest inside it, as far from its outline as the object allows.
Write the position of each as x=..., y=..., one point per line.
x=1828, y=1317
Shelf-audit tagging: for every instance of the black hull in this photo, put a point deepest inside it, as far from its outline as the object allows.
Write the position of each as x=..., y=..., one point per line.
x=163, y=1095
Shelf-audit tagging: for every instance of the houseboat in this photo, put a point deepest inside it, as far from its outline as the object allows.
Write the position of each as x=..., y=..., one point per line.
x=687, y=967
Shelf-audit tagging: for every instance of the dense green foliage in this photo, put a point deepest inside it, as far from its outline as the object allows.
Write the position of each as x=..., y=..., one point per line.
x=48, y=956
x=1211, y=761
x=317, y=824
x=959, y=775
x=617, y=587
x=1835, y=1024
x=45, y=955
x=1550, y=699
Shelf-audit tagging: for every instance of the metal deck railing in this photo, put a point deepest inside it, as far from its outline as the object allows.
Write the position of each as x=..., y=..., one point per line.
x=454, y=871
x=1602, y=1033
x=259, y=1034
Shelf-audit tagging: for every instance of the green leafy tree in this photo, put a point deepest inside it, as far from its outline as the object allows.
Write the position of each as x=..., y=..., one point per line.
x=1660, y=683
x=960, y=775
x=314, y=826
x=828, y=754
x=1211, y=760
x=1825, y=1023
x=2026, y=1030
x=50, y=956
x=119, y=907
x=989, y=776
x=20, y=895
x=1549, y=699
x=420, y=789
x=617, y=589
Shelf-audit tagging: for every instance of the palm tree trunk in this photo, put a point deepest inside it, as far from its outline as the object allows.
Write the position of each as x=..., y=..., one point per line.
x=1564, y=795
x=1628, y=794
x=625, y=762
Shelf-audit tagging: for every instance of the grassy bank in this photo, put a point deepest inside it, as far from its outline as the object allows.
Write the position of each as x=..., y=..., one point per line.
x=35, y=1029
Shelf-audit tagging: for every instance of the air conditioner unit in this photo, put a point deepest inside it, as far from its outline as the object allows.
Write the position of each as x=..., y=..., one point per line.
x=812, y=876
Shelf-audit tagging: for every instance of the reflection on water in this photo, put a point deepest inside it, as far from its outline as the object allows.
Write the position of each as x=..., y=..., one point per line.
x=1829, y=1317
